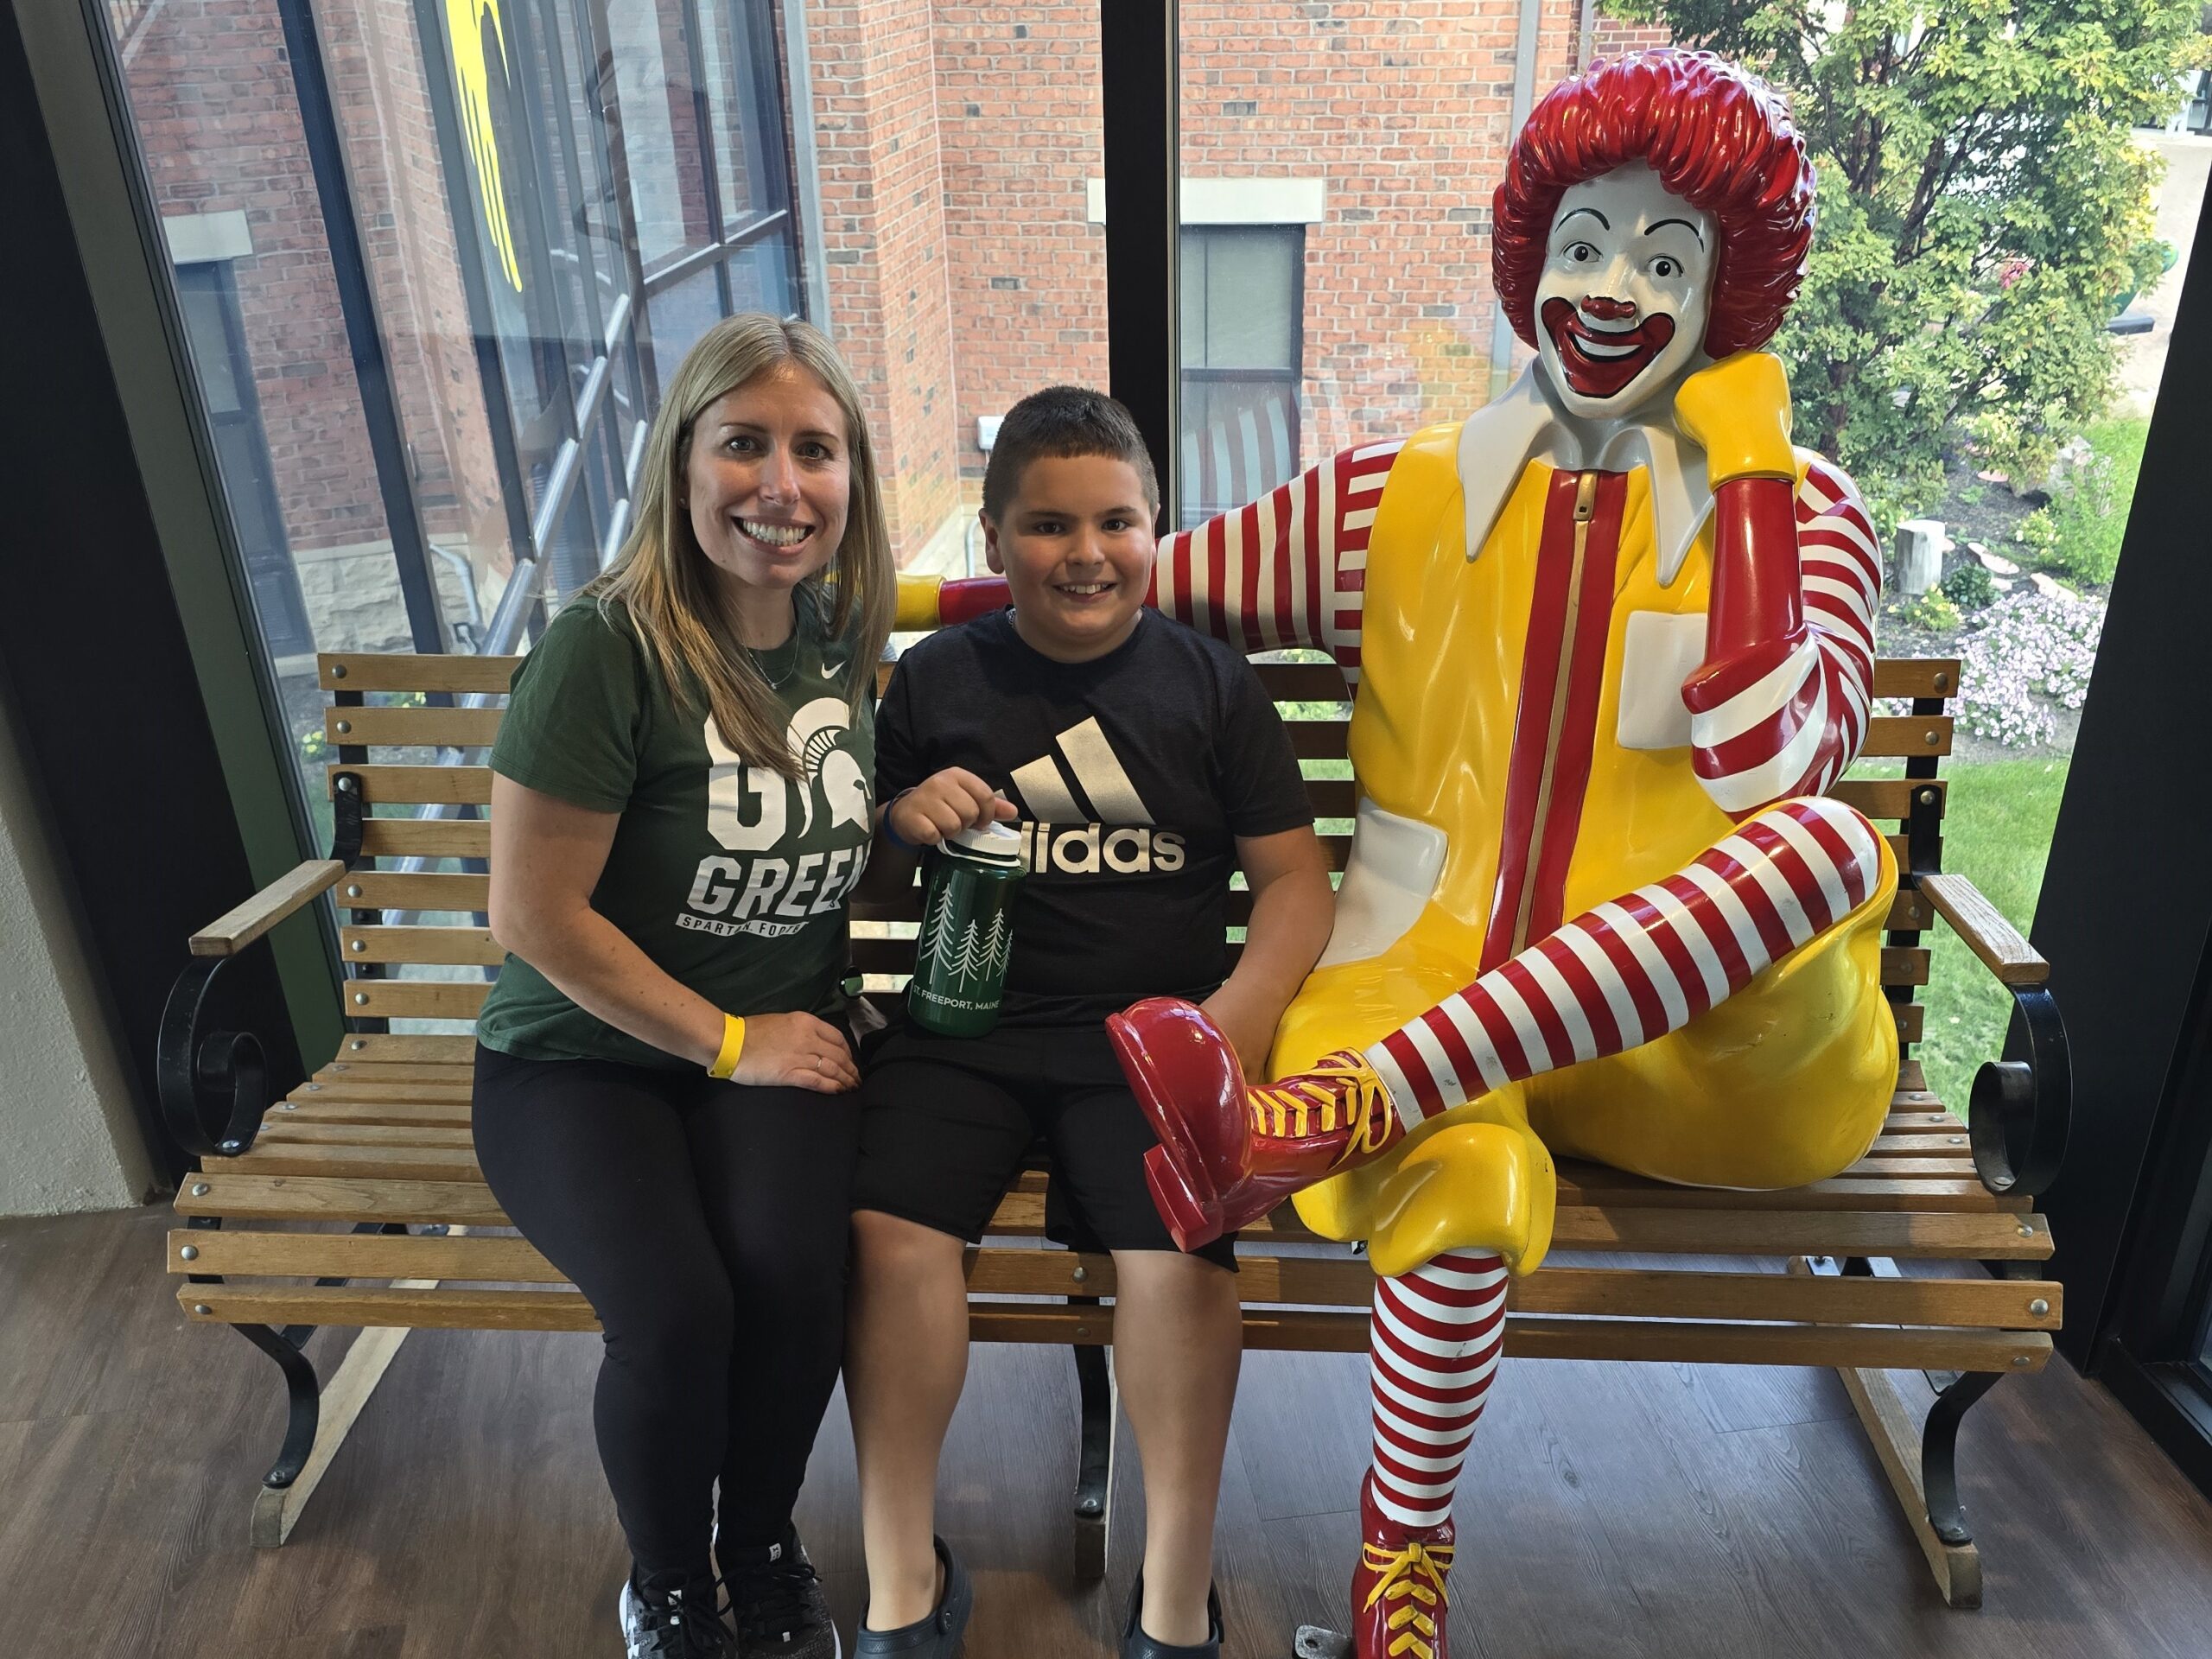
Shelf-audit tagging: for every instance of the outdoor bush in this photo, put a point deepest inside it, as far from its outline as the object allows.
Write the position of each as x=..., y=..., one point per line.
x=1934, y=611
x=1970, y=588
x=1982, y=204
x=2081, y=531
x=2027, y=655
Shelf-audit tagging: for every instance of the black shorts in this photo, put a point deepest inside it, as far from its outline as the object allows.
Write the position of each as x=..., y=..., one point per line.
x=945, y=1123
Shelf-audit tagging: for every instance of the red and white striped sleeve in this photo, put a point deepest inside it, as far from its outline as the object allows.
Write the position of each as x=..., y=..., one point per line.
x=1287, y=570
x=1795, y=730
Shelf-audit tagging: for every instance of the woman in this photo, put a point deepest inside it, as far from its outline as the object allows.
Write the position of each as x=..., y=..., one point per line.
x=680, y=804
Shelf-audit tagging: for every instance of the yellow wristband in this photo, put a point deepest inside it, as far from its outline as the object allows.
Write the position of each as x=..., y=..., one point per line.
x=732, y=1045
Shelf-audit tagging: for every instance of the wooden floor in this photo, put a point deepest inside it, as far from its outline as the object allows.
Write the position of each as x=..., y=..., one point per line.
x=1690, y=1512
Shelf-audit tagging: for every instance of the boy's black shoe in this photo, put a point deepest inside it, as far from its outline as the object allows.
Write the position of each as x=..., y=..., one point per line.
x=775, y=1602
x=936, y=1636
x=1135, y=1644
x=678, y=1622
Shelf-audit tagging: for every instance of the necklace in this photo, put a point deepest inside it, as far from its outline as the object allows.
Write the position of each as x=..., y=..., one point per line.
x=776, y=682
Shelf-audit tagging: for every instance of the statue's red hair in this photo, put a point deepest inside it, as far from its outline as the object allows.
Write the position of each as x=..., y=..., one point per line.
x=1717, y=136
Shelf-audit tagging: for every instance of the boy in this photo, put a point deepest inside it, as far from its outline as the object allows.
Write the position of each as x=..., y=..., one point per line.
x=1144, y=762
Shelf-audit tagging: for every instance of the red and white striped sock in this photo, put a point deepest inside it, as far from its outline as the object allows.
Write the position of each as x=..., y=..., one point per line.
x=1637, y=967
x=1433, y=1348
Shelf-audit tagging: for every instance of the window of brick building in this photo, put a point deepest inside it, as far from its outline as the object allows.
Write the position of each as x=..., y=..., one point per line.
x=433, y=257
x=1243, y=345
x=216, y=340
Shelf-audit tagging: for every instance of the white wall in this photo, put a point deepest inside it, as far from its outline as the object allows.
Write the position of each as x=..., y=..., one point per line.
x=67, y=1137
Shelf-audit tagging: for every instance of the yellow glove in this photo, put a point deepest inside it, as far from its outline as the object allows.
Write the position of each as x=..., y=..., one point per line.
x=1738, y=411
x=917, y=607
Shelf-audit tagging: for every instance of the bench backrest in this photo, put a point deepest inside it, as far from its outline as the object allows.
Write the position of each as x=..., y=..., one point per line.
x=409, y=735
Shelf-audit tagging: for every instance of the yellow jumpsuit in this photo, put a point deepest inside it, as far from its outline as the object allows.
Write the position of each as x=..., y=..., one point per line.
x=1785, y=1083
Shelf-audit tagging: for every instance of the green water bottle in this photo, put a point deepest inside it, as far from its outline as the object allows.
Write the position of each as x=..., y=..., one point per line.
x=967, y=934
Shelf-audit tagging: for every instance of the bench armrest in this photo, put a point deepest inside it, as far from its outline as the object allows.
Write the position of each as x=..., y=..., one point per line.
x=1984, y=930
x=234, y=930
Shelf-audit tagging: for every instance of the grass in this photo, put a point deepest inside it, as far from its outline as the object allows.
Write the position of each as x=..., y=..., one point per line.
x=1996, y=833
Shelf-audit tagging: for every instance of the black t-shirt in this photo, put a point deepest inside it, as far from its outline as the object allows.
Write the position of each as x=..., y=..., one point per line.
x=1135, y=774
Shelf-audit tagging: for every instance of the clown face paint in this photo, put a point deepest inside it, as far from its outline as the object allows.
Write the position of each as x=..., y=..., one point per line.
x=1627, y=282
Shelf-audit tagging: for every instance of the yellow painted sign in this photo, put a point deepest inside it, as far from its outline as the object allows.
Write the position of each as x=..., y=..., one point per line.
x=466, y=24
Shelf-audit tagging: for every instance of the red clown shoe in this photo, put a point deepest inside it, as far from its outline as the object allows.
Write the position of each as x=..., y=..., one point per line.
x=1230, y=1152
x=1398, y=1596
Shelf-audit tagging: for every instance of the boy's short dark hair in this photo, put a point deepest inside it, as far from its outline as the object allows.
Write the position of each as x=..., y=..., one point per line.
x=1060, y=423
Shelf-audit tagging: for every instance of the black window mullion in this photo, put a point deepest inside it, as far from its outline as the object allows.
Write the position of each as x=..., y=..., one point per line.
x=1137, y=63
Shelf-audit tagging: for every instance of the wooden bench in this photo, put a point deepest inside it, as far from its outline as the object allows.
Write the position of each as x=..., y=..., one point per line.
x=356, y=1201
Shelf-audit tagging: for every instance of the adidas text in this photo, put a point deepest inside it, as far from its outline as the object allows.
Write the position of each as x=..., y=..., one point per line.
x=1095, y=849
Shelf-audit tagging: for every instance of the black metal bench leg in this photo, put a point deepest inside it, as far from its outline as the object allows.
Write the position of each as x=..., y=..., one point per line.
x=320, y=1417
x=1094, y=1479
x=1939, y=1446
x=304, y=1393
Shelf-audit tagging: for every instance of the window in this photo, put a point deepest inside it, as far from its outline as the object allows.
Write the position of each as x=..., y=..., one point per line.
x=218, y=345
x=1243, y=344
x=432, y=259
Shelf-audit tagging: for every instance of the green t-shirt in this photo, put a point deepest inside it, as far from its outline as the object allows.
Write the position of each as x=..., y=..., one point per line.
x=732, y=878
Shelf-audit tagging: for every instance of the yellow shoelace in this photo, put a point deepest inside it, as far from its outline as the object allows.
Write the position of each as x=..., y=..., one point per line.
x=1413, y=1576
x=1341, y=1091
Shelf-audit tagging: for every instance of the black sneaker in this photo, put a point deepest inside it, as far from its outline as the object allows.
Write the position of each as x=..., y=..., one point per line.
x=1135, y=1644
x=674, y=1624
x=775, y=1602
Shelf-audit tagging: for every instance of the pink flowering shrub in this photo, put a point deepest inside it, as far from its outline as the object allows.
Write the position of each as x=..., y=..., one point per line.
x=2024, y=658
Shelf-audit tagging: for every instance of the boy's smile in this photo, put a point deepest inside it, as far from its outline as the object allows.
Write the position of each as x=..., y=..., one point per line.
x=1075, y=547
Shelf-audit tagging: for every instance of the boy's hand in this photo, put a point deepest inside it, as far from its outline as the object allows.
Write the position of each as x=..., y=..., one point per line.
x=1249, y=1025
x=944, y=803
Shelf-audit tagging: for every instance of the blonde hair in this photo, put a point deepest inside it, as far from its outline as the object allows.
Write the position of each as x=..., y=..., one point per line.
x=663, y=578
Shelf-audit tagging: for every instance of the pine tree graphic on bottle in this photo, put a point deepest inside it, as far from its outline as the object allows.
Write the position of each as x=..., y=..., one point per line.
x=980, y=957
x=932, y=947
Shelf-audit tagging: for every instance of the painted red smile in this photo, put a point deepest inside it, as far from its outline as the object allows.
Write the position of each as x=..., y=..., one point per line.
x=1598, y=364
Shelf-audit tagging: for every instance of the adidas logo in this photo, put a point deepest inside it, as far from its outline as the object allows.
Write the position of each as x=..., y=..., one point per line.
x=1082, y=815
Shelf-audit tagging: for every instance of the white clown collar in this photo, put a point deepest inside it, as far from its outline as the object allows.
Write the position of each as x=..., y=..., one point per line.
x=1499, y=439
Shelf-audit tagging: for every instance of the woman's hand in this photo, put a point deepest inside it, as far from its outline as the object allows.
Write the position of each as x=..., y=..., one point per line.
x=795, y=1050
x=942, y=805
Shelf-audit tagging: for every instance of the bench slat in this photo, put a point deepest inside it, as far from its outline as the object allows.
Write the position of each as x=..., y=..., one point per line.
x=1712, y=1231
x=299, y=1197
x=455, y=785
x=415, y=1163
x=1536, y=1336
x=1889, y=736
x=372, y=1048
x=449, y=891
x=459, y=1073
x=485, y=1257
x=426, y=837
x=1288, y=682
x=1888, y=798
x=1917, y=676
x=415, y=999
x=290, y=1131
x=1593, y=1186
x=383, y=726
x=1527, y=1336
x=1299, y=1280
x=413, y=671
x=446, y=946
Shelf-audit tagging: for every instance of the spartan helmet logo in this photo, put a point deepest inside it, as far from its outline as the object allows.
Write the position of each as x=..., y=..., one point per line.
x=814, y=734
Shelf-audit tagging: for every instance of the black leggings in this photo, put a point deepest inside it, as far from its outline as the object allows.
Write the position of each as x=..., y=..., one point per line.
x=706, y=1223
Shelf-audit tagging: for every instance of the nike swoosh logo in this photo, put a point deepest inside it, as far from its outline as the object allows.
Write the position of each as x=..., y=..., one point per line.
x=831, y=670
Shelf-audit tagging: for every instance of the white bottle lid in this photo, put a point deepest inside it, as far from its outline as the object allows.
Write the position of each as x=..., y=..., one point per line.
x=992, y=843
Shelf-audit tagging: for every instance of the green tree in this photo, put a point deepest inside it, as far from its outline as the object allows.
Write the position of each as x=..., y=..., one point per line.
x=1981, y=205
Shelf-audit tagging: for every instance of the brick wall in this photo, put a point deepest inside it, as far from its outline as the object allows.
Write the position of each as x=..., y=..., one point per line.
x=1022, y=121
x=1614, y=38
x=218, y=119
x=1400, y=109
x=884, y=233
x=217, y=110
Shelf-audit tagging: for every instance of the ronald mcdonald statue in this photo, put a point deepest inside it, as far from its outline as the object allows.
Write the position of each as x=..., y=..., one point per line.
x=1611, y=638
